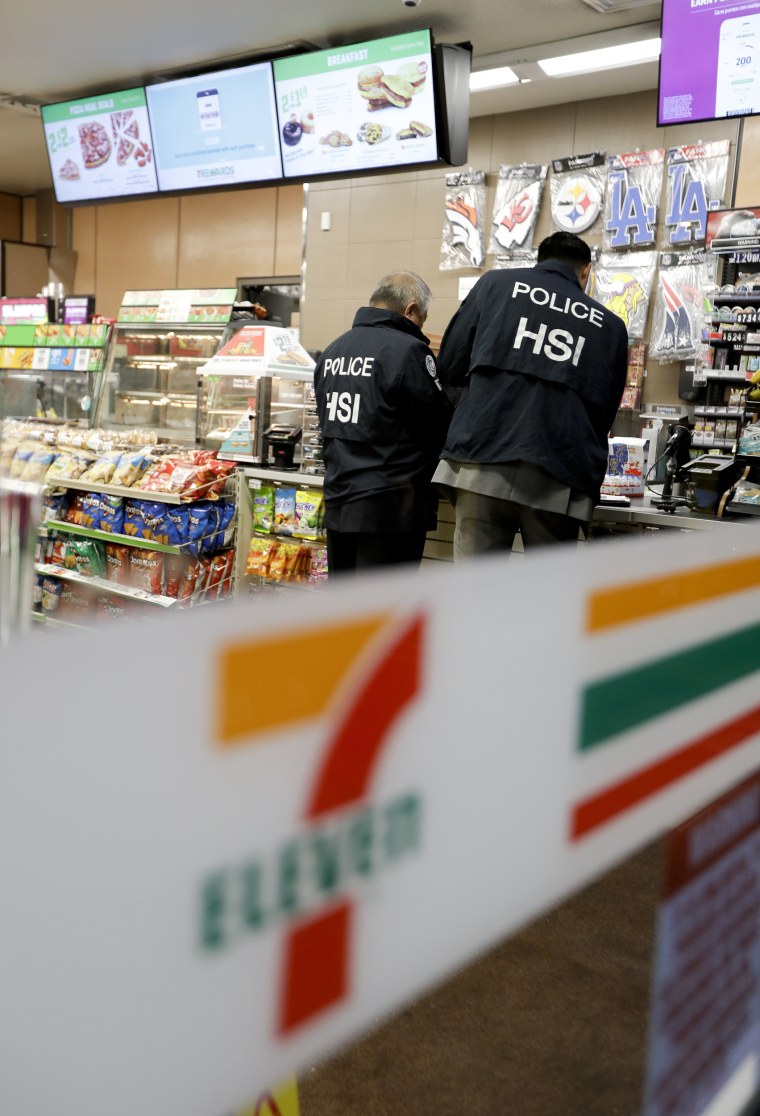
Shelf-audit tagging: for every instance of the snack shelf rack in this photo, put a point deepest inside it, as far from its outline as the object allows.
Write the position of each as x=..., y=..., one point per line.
x=130, y=493
x=257, y=476
x=47, y=621
x=112, y=537
x=104, y=586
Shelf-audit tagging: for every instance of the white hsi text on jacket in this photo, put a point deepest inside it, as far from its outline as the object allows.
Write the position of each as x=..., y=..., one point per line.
x=351, y=366
x=342, y=406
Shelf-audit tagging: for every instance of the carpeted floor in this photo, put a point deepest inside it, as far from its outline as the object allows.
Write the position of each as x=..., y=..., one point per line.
x=551, y=1023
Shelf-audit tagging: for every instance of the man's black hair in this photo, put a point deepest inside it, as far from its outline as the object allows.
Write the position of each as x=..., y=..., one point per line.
x=565, y=247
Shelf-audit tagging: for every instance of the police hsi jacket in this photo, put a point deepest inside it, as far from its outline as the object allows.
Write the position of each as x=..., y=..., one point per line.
x=382, y=410
x=541, y=367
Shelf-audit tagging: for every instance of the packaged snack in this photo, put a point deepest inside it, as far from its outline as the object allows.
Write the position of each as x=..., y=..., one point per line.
x=88, y=555
x=77, y=602
x=157, y=477
x=201, y=525
x=69, y=465
x=146, y=570
x=292, y=553
x=38, y=464
x=263, y=508
x=278, y=563
x=284, y=511
x=131, y=467
x=102, y=471
x=177, y=523
x=308, y=511
x=102, y=512
x=37, y=593
x=225, y=587
x=117, y=563
x=174, y=572
x=210, y=540
x=114, y=608
x=146, y=519
x=226, y=533
x=20, y=459
x=74, y=512
x=216, y=576
x=318, y=564
x=188, y=584
x=54, y=506
x=50, y=594
x=259, y=553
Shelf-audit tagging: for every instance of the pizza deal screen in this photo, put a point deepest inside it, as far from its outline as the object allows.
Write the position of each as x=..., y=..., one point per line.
x=100, y=147
x=710, y=60
x=215, y=129
x=360, y=107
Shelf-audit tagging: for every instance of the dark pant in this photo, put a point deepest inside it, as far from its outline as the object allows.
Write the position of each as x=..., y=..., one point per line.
x=487, y=525
x=363, y=550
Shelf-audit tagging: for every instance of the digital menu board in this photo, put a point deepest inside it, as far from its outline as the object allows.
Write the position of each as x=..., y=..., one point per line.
x=361, y=107
x=215, y=129
x=100, y=147
x=710, y=60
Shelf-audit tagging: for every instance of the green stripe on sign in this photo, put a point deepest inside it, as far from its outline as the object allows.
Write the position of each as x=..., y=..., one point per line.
x=623, y=701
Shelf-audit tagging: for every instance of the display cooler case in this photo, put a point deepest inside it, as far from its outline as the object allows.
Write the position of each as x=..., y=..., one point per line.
x=48, y=369
x=158, y=343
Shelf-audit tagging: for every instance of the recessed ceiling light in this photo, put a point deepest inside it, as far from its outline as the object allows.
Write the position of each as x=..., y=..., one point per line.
x=606, y=58
x=492, y=79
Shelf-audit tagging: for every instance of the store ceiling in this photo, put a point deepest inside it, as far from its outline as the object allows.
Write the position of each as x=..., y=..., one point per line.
x=84, y=51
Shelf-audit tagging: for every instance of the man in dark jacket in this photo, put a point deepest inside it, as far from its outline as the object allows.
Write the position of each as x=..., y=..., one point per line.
x=384, y=417
x=539, y=369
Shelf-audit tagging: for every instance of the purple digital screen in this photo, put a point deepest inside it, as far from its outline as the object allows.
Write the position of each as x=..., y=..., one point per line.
x=710, y=60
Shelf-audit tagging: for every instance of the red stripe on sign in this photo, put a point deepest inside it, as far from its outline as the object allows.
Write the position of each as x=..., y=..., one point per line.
x=350, y=759
x=600, y=808
x=316, y=963
x=316, y=968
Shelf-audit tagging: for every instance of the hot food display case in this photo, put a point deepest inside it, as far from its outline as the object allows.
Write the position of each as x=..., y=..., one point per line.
x=159, y=342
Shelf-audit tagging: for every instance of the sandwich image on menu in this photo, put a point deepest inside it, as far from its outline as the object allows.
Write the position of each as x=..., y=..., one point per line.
x=357, y=107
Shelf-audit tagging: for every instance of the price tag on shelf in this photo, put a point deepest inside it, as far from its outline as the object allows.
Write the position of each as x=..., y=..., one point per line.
x=82, y=360
x=254, y=482
x=40, y=359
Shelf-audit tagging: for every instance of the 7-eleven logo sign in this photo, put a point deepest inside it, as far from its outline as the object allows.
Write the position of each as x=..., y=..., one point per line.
x=362, y=676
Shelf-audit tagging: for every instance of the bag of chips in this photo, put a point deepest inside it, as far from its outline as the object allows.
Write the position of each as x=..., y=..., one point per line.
x=102, y=512
x=146, y=570
x=117, y=563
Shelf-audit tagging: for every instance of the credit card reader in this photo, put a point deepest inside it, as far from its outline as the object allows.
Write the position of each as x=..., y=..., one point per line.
x=280, y=445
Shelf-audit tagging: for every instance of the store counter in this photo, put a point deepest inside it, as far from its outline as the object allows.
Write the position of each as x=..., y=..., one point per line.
x=643, y=513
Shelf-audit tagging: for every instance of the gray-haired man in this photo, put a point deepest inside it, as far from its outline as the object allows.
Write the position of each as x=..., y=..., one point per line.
x=384, y=417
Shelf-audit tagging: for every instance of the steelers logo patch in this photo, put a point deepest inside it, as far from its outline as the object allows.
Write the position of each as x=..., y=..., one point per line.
x=577, y=204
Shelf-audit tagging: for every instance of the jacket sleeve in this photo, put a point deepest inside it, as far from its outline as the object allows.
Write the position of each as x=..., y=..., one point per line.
x=456, y=346
x=618, y=358
x=424, y=405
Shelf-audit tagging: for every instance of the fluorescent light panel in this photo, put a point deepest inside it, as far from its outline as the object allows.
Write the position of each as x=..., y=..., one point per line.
x=627, y=54
x=492, y=79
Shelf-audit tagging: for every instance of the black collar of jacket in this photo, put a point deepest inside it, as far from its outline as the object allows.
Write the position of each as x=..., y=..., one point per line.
x=562, y=269
x=375, y=316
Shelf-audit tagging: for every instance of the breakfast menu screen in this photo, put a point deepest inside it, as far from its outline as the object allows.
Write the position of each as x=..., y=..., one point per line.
x=357, y=107
x=710, y=60
x=100, y=147
x=215, y=129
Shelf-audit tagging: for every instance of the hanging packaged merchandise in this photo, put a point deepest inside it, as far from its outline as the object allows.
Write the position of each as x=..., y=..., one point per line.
x=622, y=281
x=521, y=257
x=515, y=207
x=634, y=185
x=577, y=190
x=680, y=304
x=462, y=238
x=697, y=175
